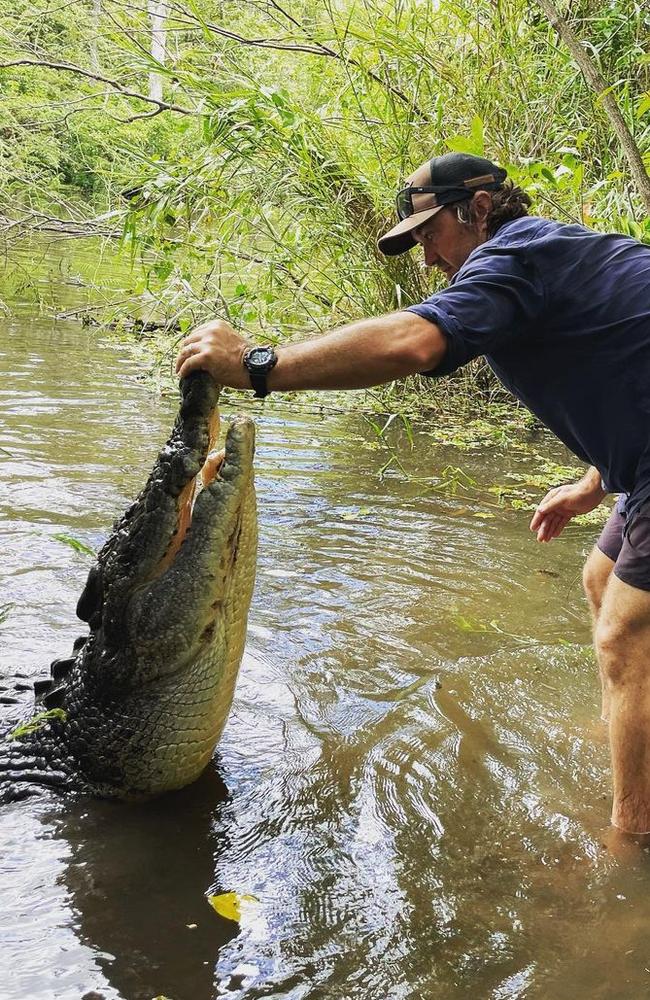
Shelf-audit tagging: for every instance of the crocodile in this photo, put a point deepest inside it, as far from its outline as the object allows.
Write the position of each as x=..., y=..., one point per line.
x=137, y=708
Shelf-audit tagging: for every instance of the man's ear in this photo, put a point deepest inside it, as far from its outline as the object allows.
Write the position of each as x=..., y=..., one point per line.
x=481, y=205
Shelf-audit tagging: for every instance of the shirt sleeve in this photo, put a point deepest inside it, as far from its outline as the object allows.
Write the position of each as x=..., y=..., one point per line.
x=495, y=301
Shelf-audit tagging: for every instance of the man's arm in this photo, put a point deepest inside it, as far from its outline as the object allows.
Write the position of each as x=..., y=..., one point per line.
x=362, y=354
x=564, y=502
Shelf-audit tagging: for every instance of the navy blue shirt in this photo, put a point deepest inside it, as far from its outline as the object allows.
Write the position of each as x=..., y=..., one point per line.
x=562, y=314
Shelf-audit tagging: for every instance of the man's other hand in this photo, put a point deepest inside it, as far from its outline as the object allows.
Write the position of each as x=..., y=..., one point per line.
x=564, y=502
x=218, y=349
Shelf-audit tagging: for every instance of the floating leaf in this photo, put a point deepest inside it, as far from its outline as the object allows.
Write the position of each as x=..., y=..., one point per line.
x=352, y=515
x=75, y=544
x=467, y=624
x=522, y=504
x=229, y=904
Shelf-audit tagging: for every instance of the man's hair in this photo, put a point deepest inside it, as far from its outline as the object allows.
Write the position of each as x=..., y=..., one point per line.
x=508, y=203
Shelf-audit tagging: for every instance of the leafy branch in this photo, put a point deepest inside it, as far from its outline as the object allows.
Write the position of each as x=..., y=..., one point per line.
x=124, y=91
x=605, y=95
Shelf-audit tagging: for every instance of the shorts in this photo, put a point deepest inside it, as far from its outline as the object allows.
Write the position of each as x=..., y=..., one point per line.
x=627, y=544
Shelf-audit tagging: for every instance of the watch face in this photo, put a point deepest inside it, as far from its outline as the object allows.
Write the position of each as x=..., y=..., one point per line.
x=259, y=359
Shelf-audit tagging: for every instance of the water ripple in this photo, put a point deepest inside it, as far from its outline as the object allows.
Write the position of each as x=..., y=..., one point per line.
x=414, y=776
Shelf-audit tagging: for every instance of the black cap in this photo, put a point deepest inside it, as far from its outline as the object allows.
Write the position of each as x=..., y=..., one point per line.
x=452, y=177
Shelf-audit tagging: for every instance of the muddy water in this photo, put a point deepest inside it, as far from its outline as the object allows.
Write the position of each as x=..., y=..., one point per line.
x=416, y=805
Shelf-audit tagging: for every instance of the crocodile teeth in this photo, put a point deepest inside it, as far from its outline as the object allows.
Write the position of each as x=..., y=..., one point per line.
x=42, y=687
x=55, y=698
x=61, y=668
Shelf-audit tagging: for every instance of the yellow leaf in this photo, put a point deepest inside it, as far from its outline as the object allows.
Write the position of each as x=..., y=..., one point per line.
x=229, y=904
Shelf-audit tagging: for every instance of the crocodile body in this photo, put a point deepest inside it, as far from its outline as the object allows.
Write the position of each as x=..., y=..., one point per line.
x=137, y=708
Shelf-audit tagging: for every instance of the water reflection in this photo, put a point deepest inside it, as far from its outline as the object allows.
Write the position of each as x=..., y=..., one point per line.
x=416, y=805
x=137, y=878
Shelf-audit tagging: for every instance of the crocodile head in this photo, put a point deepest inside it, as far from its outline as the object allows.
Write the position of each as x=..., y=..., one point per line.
x=146, y=696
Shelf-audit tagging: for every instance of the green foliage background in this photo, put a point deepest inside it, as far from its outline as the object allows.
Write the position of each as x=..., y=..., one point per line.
x=261, y=197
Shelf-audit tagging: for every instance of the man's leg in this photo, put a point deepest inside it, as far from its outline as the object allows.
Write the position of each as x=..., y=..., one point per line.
x=595, y=576
x=622, y=638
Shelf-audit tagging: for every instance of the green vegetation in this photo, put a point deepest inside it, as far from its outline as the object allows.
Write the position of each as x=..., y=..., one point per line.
x=251, y=176
x=37, y=722
x=75, y=544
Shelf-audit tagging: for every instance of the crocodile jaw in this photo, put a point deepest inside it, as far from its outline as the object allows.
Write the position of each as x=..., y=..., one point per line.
x=149, y=693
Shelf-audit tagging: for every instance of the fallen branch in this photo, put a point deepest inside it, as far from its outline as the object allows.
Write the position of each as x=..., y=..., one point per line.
x=39, y=222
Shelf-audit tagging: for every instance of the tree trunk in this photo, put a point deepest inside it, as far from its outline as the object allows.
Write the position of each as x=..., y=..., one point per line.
x=158, y=46
x=97, y=16
x=609, y=102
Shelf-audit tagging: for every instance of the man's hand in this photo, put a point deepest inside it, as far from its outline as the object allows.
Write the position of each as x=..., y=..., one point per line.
x=564, y=502
x=218, y=349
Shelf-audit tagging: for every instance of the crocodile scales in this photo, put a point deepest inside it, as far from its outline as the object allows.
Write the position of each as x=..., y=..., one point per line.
x=138, y=707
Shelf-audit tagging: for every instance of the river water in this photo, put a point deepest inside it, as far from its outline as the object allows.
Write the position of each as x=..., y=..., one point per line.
x=413, y=783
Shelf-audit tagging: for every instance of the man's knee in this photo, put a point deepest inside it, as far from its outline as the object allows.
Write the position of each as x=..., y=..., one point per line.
x=610, y=642
x=595, y=576
x=623, y=649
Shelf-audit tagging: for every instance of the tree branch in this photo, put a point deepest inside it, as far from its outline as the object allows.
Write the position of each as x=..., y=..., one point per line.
x=69, y=68
x=609, y=102
x=40, y=222
x=314, y=48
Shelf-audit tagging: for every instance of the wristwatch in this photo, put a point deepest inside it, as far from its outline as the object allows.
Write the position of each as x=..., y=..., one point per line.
x=258, y=362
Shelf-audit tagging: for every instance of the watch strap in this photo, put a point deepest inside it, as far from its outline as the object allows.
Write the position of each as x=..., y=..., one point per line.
x=258, y=371
x=259, y=385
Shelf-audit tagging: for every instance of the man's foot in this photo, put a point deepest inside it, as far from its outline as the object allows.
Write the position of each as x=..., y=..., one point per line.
x=628, y=848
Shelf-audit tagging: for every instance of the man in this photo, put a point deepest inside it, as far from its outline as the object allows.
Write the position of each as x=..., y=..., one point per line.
x=562, y=314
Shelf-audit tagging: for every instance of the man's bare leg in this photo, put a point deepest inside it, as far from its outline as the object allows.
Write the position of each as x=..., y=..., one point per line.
x=595, y=577
x=622, y=639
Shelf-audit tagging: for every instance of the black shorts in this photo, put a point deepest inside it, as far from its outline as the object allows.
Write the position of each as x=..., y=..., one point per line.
x=629, y=549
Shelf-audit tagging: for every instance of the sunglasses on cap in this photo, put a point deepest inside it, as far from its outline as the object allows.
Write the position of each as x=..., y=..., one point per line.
x=413, y=200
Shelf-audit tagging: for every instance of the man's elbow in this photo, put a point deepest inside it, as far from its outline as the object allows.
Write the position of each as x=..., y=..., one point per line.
x=427, y=345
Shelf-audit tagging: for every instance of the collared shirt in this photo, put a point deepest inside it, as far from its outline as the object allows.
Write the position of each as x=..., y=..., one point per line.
x=562, y=315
